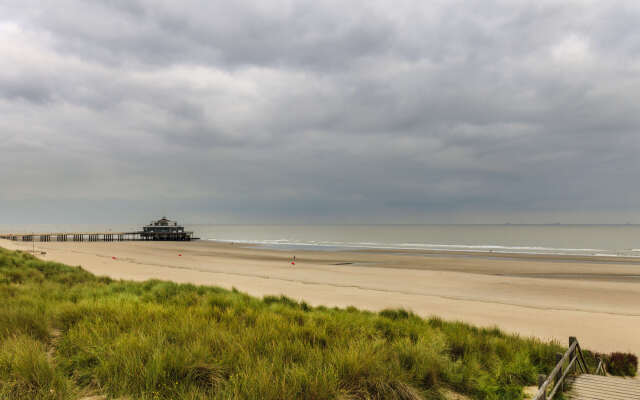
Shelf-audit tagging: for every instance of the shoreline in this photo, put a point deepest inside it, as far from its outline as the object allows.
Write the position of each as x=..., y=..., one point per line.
x=546, y=297
x=600, y=257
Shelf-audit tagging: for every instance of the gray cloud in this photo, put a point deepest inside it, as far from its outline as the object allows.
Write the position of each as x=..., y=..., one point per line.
x=320, y=111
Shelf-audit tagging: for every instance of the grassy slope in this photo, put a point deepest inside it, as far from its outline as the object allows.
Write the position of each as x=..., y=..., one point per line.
x=65, y=333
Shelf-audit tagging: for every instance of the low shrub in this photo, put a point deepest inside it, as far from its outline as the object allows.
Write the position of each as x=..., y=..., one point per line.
x=621, y=364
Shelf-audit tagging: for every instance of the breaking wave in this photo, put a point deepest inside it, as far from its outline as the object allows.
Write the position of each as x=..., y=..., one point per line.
x=488, y=248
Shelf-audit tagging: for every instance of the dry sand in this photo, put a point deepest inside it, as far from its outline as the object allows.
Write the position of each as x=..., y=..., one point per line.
x=548, y=297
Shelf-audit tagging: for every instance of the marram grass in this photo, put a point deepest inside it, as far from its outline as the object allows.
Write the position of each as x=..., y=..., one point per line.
x=65, y=334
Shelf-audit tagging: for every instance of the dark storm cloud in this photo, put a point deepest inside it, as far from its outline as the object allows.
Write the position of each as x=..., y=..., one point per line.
x=320, y=111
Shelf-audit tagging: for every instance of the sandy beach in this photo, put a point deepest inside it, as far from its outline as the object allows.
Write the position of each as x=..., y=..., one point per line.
x=595, y=299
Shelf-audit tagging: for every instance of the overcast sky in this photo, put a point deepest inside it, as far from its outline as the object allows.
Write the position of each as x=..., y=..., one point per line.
x=319, y=111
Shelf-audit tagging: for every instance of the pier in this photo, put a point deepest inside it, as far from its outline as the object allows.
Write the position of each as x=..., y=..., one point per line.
x=76, y=237
x=162, y=230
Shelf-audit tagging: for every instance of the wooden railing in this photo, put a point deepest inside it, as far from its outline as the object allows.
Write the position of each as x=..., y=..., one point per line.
x=555, y=382
x=602, y=369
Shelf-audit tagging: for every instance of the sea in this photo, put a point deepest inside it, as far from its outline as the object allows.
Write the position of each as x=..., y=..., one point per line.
x=582, y=240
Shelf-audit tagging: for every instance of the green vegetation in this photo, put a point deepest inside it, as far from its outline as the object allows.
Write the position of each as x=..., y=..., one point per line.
x=623, y=364
x=65, y=333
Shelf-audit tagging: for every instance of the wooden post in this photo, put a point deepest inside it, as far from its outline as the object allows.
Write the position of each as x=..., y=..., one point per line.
x=559, y=375
x=573, y=339
x=541, y=379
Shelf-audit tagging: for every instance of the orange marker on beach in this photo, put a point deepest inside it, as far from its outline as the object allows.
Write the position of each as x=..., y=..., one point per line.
x=113, y=258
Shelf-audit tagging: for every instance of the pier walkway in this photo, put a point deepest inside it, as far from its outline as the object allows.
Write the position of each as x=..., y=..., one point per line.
x=74, y=236
x=162, y=229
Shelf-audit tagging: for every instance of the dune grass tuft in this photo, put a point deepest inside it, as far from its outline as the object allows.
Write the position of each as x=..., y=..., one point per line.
x=26, y=371
x=66, y=332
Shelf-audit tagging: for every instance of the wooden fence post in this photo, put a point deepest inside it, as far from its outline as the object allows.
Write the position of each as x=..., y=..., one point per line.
x=541, y=379
x=559, y=375
x=573, y=353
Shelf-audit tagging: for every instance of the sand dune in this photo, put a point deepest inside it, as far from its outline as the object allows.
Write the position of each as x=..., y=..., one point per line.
x=547, y=297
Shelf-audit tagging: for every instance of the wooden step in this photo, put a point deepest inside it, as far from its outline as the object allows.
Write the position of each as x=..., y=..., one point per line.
x=597, y=387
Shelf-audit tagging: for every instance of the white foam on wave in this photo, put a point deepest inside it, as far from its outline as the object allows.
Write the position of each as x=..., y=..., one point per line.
x=501, y=249
x=497, y=247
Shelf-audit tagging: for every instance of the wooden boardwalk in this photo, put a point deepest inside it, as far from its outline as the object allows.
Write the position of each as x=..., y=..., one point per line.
x=597, y=387
x=573, y=379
